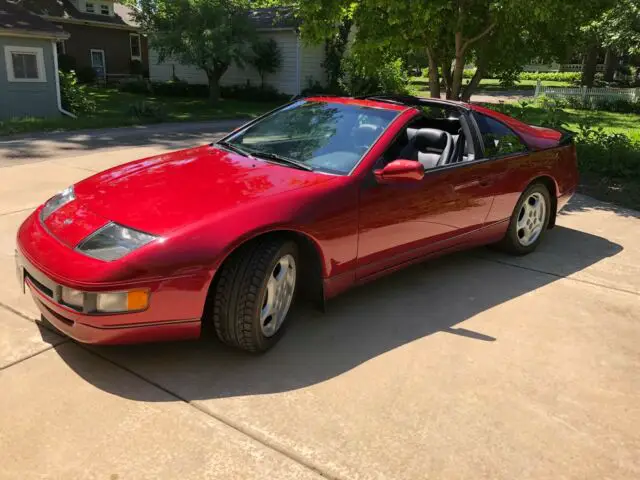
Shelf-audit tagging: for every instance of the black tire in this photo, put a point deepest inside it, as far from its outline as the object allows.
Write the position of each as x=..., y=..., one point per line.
x=511, y=242
x=240, y=290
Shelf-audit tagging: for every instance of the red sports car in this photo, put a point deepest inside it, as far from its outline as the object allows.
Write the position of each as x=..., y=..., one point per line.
x=314, y=197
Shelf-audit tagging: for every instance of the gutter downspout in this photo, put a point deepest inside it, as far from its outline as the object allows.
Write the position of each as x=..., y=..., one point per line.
x=55, y=74
x=298, y=90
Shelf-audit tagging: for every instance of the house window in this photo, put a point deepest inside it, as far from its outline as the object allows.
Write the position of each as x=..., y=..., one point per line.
x=134, y=40
x=104, y=9
x=91, y=8
x=24, y=64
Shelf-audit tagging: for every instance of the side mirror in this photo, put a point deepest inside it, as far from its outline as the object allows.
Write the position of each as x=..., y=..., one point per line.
x=400, y=171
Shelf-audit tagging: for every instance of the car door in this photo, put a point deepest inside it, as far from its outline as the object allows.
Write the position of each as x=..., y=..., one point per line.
x=508, y=162
x=401, y=222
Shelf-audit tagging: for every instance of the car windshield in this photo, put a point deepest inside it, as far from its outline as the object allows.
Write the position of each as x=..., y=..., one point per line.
x=323, y=136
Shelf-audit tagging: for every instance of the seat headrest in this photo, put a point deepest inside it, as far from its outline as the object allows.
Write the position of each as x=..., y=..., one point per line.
x=411, y=133
x=431, y=138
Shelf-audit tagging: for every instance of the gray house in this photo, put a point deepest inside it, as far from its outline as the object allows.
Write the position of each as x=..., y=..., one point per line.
x=29, y=83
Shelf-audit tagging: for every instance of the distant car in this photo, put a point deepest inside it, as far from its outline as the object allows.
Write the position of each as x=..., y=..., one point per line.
x=320, y=195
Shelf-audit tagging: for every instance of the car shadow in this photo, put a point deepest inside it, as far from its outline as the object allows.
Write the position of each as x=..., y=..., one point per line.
x=358, y=326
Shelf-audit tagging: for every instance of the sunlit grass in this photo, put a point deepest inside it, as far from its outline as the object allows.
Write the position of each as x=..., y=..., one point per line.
x=113, y=110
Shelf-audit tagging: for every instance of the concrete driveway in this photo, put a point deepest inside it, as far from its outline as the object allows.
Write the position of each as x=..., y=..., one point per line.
x=477, y=365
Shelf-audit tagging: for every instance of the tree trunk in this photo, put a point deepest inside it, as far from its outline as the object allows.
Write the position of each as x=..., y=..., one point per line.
x=456, y=84
x=589, y=66
x=214, y=90
x=458, y=69
x=434, y=77
x=474, y=83
x=610, y=64
x=446, y=75
x=214, y=84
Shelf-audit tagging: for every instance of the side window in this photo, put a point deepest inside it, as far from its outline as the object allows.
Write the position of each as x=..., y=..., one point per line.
x=397, y=148
x=498, y=139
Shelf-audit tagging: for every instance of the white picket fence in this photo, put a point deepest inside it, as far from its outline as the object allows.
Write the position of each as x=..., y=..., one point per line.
x=589, y=94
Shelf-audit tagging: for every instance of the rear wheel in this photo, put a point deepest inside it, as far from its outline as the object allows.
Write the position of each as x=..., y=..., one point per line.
x=529, y=221
x=253, y=294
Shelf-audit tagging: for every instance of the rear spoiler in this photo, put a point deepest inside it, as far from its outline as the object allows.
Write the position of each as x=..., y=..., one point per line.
x=566, y=138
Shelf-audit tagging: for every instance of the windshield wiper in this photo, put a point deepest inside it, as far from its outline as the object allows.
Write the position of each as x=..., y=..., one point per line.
x=280, y=159
x=233, y=148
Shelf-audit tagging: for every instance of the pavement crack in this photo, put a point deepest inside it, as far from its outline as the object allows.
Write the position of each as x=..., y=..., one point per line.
x=557, y=275
x=33, y=354
x=18, y=313
x=16, y=211
x=262, y=440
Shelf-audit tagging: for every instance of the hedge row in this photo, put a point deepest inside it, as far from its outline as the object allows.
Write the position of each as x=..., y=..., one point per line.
x=184, y=89
x=570, y=77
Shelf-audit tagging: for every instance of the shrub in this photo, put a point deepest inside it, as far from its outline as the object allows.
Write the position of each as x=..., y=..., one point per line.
x=86, y=75
x=252, y=93
x=66, y=63
x=179, y=89
x=184, y=89
x=147, y=111
x=135, y=67
x=619, y=105
x=267, y=58
x=74, y=96
x=468, y=73
x=362, y=78
x=610, y=154
x=316, y=88
x=135, y=86
x=571, y=77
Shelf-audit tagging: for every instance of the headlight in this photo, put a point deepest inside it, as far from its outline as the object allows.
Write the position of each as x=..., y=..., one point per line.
x=72, y=298
x=121, y=302
x=113, y=242
x=59, y=200
x=113, y=302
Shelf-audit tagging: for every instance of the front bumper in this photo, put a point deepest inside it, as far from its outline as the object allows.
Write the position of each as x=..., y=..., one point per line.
x=175, y=308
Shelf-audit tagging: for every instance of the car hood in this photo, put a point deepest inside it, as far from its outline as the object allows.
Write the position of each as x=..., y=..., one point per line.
x=167, y=192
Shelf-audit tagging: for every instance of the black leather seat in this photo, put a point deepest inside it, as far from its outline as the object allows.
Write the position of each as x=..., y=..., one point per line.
x=433, y=147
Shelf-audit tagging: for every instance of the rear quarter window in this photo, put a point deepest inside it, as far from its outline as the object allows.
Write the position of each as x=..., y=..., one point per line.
x=498, y=139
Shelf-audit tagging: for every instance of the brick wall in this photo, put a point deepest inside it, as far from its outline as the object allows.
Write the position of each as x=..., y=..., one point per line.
x=114, y=42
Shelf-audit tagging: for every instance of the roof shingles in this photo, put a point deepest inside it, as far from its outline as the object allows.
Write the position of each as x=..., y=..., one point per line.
x=66, y=9
x=14, y=17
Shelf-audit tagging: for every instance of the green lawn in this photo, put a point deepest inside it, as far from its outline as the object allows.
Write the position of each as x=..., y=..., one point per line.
x=609, y=170
x=113, y=110
x=489, y=84
x=612, y=122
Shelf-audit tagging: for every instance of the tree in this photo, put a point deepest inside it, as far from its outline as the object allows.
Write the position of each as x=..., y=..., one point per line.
x=267, y=58
x=499, y=35
x=617, y=31
x=210, y=34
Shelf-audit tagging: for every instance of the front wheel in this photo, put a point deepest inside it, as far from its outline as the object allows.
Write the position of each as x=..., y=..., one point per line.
x=253, y=294
x=529, y=221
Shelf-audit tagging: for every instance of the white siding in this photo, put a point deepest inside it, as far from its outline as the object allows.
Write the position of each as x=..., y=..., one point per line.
x=311, y=69
x=285, y=80
x=163, y=72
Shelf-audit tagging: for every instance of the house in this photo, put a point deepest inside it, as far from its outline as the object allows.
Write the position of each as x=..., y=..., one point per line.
x=29, y=83
x=103, y=35
x=301, y=64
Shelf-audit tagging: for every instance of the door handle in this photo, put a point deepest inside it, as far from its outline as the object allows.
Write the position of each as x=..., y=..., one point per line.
x=483, y=183
x=464, y=186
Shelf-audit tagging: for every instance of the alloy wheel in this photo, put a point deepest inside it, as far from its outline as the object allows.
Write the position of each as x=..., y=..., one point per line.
x=278, y=295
